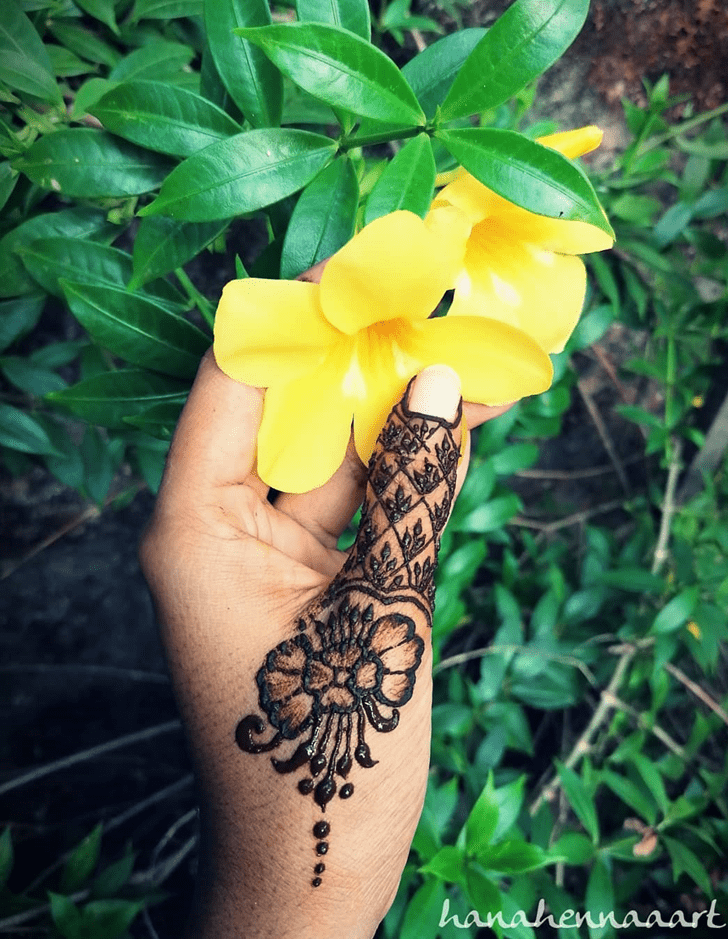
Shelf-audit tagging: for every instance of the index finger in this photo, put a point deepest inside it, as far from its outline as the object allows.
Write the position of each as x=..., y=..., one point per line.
x=215, y=440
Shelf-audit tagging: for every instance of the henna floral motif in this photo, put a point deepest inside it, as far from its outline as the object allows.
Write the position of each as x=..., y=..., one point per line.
x=353, y=658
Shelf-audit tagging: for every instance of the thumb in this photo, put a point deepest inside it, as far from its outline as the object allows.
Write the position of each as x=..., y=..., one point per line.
x=412, y=480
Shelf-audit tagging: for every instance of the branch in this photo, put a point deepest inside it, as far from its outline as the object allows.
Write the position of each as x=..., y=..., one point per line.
x=90, y=754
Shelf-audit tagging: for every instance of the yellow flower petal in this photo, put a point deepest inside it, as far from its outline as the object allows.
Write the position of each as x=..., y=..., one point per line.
x=383, y=372
x=496, y=363
x=478, y=202
x=306, y=425
x=392, y=268
x=452, y=227
x=270, y=331
x=537, y=291
x=574, y=143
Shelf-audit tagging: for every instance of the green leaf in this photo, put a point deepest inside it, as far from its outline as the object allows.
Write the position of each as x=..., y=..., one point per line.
x=165, y=9
x=25, y=65
x=684, y=860
x=65, y=916
x=89, y=163
x=431, y=73
x=675, y=613
x=492, y=515
x=159, y=60
x=423, y=910
x=82, y=862
x=341, y=69
x=448, y=864
x=513, y=458
x=163, y=244
x=101, y=10
x=109, y=398
x=576, y=848
x=65, y=63
x=109, y=919
x=8, y=179
x=483, y=893
x=323, y=220
x=520, y=45
x=18, y=317
x=253, y=83
x=408, y=181
x=51, y=259
x=652, y=779
x=633, y=579
x=28, y=377
x=88, y=94
x=260, y=167
x=22, y=432
x=162, y=117
x=158, y=421
x=84, y=43
x=136, y=329
x=580, y=799
x=630, y=794
x=525, y=172
x=353, y=15
x=514, y=856
x=6, y=856
x=599, y=898
x=482, y=821
x=99, y=465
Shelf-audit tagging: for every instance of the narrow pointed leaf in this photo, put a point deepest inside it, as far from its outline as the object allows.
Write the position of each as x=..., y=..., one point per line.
x=524, y=172
x=109, y=398
x=25, y=65
x=341, y=69
x=253, y=83
x=22, y=432
x=50, y=260
x=522, y=44
x=163, y=244
x=323, y=220
x=90, y=163
x=158, y=60
x=353, y=15
x=407, y=182
x=162, y=117
x=242, y=174
x=432, y=72
x=101, y=10
x=165, y=9
x=76, y=223
x=137, y=330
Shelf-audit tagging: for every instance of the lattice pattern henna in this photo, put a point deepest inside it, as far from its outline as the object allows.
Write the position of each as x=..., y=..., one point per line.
x=352, y=661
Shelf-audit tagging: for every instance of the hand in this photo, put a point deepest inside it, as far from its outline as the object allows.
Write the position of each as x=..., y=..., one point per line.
x=303, y=674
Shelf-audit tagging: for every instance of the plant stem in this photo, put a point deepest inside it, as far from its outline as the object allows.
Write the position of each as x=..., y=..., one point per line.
x=691, y=123
x=369, y=140
x=202, y=303
x=66, y=761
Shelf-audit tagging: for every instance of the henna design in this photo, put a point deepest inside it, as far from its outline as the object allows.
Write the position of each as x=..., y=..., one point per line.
x=353, y=658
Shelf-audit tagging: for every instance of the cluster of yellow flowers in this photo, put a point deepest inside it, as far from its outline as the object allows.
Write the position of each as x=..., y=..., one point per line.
x=345, y=349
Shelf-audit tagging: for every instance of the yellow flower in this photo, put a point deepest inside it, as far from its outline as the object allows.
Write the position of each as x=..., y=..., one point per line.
x=519, y=267
x=346, y=348
x=694, y=629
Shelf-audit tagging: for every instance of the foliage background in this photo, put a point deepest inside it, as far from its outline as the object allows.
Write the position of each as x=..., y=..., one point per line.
x=579, y=572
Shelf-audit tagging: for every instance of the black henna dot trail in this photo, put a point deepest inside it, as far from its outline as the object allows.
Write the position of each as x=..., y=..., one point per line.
x=319, y=869
x=321, y=829
x=316, y=882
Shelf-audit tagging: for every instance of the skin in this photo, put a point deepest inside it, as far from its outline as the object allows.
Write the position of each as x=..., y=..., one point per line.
x=230, y=573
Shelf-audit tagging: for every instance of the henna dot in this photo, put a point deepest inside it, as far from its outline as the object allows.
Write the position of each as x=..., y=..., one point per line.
x=322, y=847
x=319, y=869
x=346, y=791
x=305, y=786
x=316, y=882
x=321, y=829
x=317, y=763
x=325, y=792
